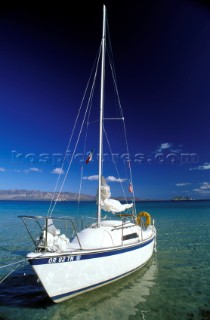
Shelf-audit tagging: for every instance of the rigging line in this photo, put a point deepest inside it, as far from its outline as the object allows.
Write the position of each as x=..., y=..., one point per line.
x=88, y=105
x=69, y=142
x=130, y=171
x=64, y=180
x=112, y=67
x=88, y=122
x=11, y=271
x=119, y=103
x=12, y=264
x=91, y=97
x=80, y=188
x=115, y=165
x=126, y=174
x=111, y=62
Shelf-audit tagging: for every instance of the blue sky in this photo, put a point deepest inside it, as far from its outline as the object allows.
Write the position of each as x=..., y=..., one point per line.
x=161, y=51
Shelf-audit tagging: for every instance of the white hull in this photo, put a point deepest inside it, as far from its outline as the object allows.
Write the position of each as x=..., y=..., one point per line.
x=66, y=275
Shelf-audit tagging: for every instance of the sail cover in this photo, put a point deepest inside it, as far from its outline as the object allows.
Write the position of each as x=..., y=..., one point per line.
x=111, y=205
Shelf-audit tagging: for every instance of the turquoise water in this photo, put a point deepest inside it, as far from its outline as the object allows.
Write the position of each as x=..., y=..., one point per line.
x=175, y=284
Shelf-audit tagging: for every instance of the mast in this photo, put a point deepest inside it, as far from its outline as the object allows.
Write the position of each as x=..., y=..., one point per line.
x=101, y=113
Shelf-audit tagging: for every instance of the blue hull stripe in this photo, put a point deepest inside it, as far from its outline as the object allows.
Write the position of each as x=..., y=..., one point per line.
x=80, y=256
x=100, y=284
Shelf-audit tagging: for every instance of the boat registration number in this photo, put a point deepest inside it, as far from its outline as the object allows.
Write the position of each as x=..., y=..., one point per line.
x=64, y=259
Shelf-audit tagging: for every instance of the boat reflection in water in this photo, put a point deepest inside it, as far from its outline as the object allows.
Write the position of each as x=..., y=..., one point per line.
x=123, y=298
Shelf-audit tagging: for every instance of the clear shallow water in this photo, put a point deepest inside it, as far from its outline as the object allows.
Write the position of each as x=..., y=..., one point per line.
x=175, y=284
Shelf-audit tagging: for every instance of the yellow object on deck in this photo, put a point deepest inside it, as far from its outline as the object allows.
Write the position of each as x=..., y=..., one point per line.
x=143, y=214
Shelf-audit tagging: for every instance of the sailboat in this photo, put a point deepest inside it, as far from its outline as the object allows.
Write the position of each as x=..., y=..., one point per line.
x=84, y=257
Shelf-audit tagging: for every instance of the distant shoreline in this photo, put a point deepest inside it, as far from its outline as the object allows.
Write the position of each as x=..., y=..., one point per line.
x=36, y=195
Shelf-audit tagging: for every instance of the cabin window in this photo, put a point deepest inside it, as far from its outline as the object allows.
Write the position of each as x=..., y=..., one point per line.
x=130, y=236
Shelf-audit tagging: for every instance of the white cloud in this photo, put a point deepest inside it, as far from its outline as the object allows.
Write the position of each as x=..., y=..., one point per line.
x=204, y=189
x=169, y=147
x=109, y=178
x=205, y=166
x=165, y=146
x=35, y=170
x=2, y=169
x=58, y=171
x=31, y=170
x=205, y=186
x=91, y=178
x=183, y=184
x=113, y=179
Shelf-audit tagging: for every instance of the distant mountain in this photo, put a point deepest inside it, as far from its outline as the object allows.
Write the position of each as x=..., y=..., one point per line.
x=42, y=195
x=34, y=195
